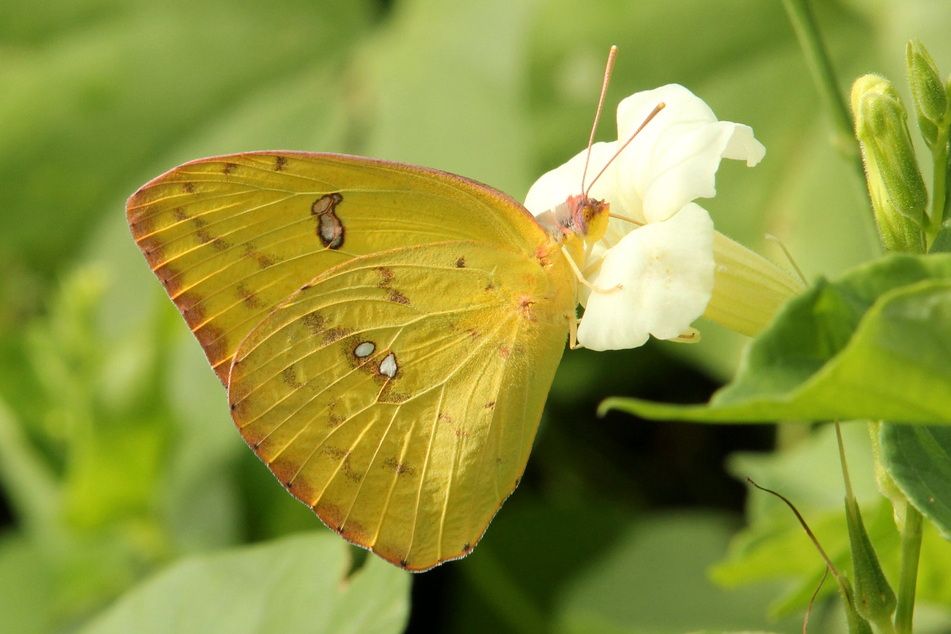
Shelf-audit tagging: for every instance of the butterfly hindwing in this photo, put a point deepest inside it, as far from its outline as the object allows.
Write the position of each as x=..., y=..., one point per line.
x=232, y=236
x=398, y=394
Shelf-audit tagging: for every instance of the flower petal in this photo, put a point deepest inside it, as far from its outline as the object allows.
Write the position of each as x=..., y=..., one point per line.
x=675, y=157
x=665, y=270
x=554, y=187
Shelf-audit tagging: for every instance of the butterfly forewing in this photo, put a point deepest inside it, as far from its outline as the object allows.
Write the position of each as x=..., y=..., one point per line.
x=398, y=394
x=232, y=236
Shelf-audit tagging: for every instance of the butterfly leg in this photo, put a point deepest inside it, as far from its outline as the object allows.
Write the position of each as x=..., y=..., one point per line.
x=581, y=278
x=691, y=335
x=573, y=322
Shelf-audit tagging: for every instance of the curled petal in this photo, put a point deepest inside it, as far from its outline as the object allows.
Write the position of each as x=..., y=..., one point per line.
x=675, y=157
x=554, y=187
x=665, y=271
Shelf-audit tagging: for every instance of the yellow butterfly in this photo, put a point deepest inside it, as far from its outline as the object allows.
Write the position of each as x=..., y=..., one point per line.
x=387, y=333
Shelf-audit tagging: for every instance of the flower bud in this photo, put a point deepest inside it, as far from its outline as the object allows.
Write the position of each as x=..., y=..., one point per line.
x=931, y=97
x=874, y=598
x=894, y=182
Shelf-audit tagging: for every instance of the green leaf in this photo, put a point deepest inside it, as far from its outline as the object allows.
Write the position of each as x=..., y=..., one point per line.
x=631, y=589
x=95, y=98
x=871, y=345
x=27, y=583
x=942, y=241
x=919, y=461
x=774, y=548
x=297, y=584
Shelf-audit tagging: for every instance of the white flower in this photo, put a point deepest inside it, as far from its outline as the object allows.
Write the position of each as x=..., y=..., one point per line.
x=659, y=259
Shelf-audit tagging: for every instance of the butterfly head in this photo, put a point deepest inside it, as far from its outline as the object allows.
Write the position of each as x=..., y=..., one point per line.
x=579, y=217
x=588, y=217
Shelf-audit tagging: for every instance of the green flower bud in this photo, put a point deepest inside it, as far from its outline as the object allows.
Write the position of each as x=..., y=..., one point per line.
x=894, y=182
x=928, y=130
x=874, y=598
x=931, y=96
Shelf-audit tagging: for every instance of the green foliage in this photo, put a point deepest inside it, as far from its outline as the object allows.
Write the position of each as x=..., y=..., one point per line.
x=870, y=345
x=918, y=459
x=295, y=584
x=774, y=548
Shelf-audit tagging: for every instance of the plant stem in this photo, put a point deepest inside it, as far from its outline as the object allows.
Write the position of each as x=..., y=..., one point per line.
x=910, y=550
x=823, y=74
x=29, y=483
x=939, y=183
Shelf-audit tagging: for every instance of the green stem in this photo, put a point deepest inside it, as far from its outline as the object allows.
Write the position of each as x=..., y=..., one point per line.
x=910, y=550
x=29, y=483
x=823, y=74
x=939, y=194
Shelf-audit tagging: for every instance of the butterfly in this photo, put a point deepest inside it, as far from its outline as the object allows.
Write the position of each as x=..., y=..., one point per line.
x=387, y=333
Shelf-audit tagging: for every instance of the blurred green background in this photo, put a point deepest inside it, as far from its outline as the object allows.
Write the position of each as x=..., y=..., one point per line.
x=118, y=459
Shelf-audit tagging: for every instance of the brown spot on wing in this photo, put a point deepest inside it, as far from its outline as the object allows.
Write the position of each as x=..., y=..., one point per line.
x=263, y=259
x=140, y=223
x=153, y=250
x=330, y=228
x=192, y=308
x=314, y=322
x=337, y=453
x=169, y=278
x=289, y=377
x=397, y=297
x=228, y=168
x=543, y=255
x=189, y=187
x=223, y=369
x=461, y=263
x=330, y=514
x=386, y=276
x=248, y=296
x=354, y=532
x=279, y=163
x=400, y=468
x=282, y=470
x=336, y=334
x=388, y=394
x=348, y=471
x=179, y=214
x=525, y=307
x=213, y=341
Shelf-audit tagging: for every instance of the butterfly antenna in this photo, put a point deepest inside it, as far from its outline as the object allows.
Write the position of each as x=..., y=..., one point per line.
x=647, y=119
x=608, y=69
